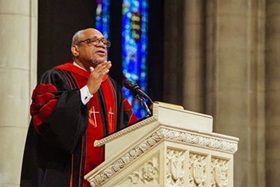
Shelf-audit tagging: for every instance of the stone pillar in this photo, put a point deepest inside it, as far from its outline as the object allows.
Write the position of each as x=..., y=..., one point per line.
x=272, y=93
x=18, y=38
x=235, y=81
x=173, y=51
x=193, y=55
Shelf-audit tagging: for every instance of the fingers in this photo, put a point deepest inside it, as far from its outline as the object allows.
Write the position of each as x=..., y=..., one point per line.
x=96, y=75
x=103, y=68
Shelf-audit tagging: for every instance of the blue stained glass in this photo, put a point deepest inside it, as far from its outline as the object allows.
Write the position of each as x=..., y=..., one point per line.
x=134, y=43
x=102, y=16
x=134, y=48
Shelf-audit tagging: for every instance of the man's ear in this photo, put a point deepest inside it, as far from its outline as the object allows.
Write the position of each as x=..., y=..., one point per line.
x=75, y=50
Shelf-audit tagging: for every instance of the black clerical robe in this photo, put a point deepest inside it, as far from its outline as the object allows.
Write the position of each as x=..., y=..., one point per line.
x=59, y=146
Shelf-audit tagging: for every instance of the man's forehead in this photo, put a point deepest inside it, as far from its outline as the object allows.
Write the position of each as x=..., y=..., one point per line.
x=93, y=33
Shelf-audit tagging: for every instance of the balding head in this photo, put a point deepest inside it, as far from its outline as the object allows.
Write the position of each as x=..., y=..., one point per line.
x=81, y=35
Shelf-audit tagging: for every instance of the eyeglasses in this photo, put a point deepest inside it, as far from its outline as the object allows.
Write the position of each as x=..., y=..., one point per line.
x=96, y=41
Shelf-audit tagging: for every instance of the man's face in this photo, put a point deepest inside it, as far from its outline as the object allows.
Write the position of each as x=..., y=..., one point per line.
x=92, y=48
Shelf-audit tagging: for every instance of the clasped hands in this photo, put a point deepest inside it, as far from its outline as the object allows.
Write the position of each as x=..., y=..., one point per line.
x=96, y=75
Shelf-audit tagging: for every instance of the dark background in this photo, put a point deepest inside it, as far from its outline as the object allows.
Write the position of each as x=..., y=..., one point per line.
x=60, y=19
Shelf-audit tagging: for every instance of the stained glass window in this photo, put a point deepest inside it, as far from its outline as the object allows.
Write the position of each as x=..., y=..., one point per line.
x=134, y=47
x=102, y=16
x=134, y=43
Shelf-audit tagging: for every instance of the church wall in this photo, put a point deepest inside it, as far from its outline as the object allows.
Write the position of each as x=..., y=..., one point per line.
x=233, y=47
x=272, y=86
x=224, y=75
x=236, y=79
x=18, y=37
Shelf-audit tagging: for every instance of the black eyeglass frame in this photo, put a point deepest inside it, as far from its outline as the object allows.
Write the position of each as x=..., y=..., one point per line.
x=95, y=41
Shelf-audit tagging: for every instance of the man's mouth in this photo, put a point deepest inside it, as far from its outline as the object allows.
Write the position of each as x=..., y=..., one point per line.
x=101, y=52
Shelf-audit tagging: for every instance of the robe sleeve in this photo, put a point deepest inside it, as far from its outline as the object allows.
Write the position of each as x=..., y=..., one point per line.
x=58, y=115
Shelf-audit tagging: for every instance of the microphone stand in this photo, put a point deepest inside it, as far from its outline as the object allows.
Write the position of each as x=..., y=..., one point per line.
x=149, y=113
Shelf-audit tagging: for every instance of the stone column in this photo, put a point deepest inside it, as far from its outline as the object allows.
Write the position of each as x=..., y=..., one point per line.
x=173, y=51
x=18, y=38
x=235, y=81
x=272, y=93
x=193, y=55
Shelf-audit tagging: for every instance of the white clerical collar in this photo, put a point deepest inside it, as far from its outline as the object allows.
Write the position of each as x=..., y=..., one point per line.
x=75, y=64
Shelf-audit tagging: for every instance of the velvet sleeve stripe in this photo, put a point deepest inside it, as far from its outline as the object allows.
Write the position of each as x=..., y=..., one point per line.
x=43, y=102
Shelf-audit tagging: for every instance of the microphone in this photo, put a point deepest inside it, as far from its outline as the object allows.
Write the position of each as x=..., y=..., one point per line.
x=139, y=94
x=135, y=89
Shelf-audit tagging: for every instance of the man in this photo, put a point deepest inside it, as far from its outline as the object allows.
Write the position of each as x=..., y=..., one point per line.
x=73, y=105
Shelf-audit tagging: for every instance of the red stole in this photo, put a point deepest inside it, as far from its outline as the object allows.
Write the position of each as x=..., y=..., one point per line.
x=97, y=118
